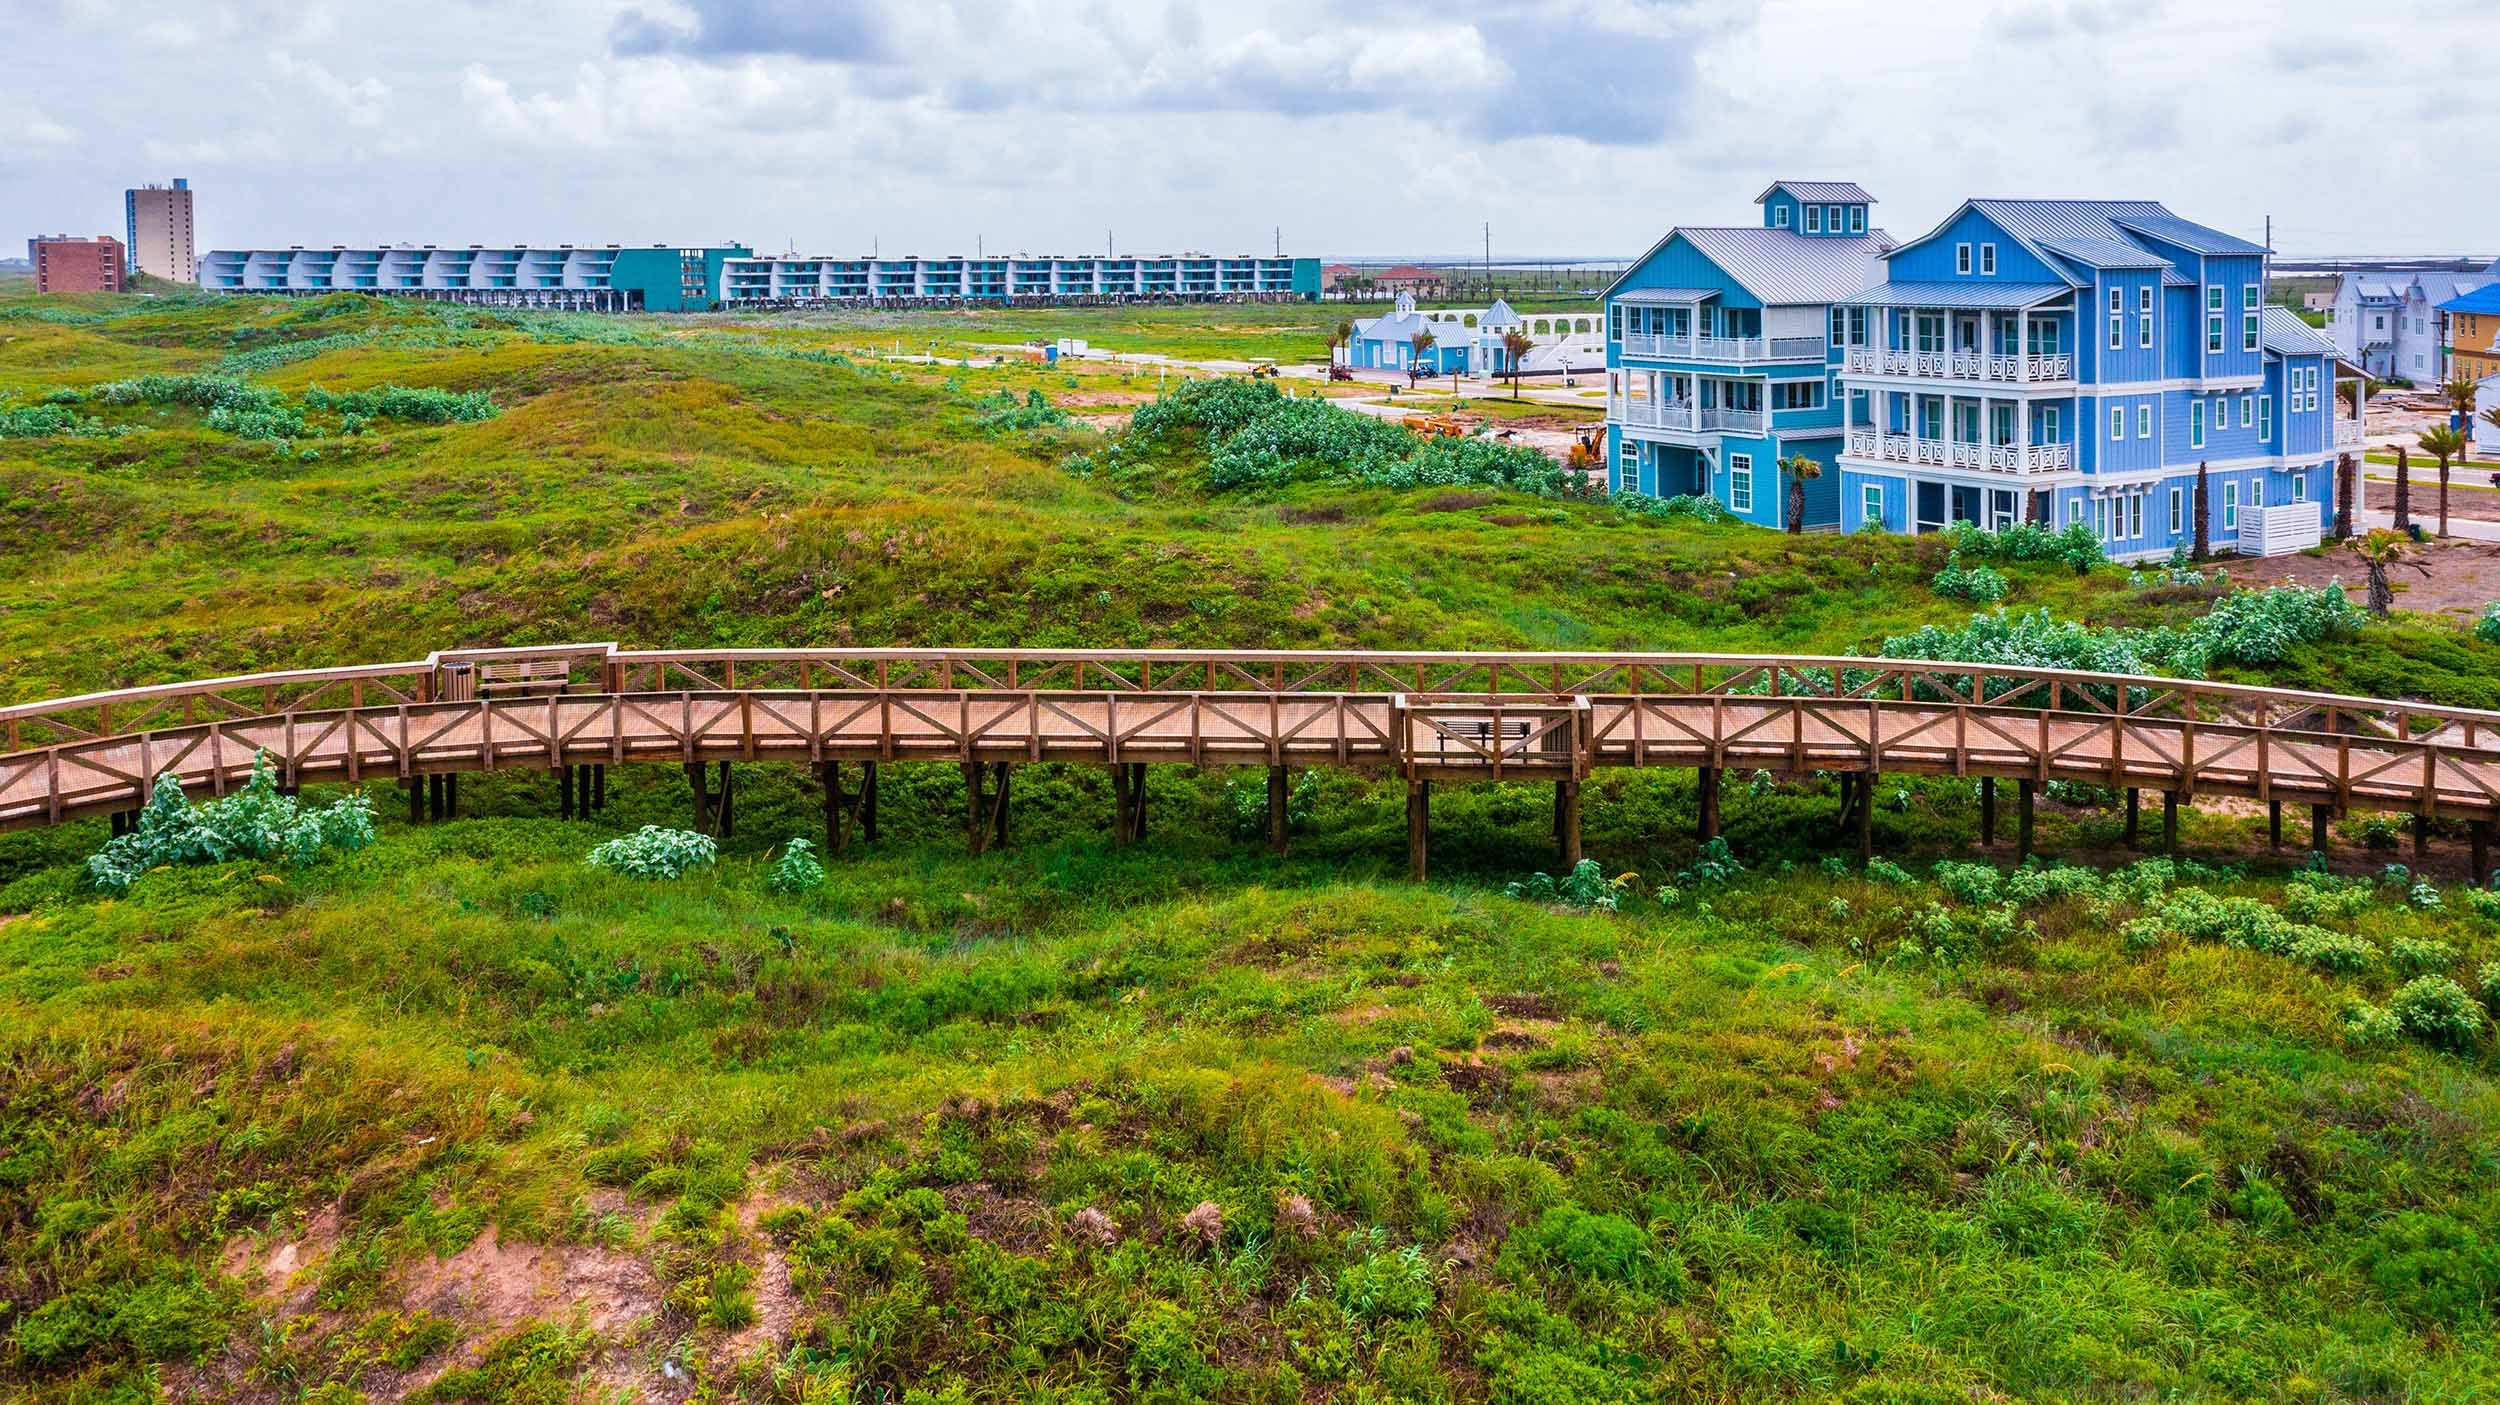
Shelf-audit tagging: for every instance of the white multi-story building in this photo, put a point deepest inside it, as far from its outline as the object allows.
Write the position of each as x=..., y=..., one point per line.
x=2390, y=325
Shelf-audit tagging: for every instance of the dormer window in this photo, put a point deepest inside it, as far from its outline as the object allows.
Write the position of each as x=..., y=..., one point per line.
x=1779, y=217
x=1857, y=219
x=1832, y=221
x=1814, y=219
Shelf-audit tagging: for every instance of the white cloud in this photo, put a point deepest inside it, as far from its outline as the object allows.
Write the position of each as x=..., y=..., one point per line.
x=361, y=101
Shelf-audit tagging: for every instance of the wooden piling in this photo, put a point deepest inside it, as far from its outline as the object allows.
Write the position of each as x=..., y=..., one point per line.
x=2135, y=807
x=2320, y=817
x=2025, y=793
x=1279, y=816
x=1987, y=812
x=1706, y=822
x=2170, y=823
x=2274, y=824
x=976, y=814
x=1866, y=819
x=1418, y=826
x=998, y=808
x=1567, y=820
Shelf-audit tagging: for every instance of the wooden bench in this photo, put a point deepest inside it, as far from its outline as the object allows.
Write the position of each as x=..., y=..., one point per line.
x=524, y=675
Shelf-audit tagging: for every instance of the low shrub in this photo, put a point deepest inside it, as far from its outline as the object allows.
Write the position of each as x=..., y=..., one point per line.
x=2421, y=956
x=1980, y=583
x=796, y=871
x=2438, y=1011
x=2334, y=952
x=255, y=822
x=2487, y=628
x=1585, y=886
x=655, y=851
x=1381, y=1282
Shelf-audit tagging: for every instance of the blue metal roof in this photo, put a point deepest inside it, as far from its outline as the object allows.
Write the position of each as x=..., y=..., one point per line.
x=1974, y=295
x=2189, y=235
x=1668, y=295
x=2105, y=253
x=1818, y=192
x=1785, y=268
x=2483, y=299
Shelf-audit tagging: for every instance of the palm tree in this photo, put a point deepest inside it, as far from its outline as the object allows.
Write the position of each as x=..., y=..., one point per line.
x=2459, y=393
x=1421, y=342
x=2404, y=490
x=2492, y=417
x=2204, y=515
x=1341, y=340
x=1802, y=470
x=2345, y=483
x=2444, y=444
x=1515, y=348
x=2381, y=551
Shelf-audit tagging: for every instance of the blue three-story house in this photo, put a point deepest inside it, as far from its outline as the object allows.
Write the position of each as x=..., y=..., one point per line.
x=2052, y=361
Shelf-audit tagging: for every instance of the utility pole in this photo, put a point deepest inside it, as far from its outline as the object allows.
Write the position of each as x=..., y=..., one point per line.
x=1280, y=241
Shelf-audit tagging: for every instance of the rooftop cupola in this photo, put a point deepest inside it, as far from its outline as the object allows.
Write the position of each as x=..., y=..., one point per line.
x=1821, y=209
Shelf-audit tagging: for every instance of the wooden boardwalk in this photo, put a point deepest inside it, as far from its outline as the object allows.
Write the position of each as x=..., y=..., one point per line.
x=1420, y=716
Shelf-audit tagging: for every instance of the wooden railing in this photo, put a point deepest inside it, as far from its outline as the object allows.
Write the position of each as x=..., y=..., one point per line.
x=1421, y=713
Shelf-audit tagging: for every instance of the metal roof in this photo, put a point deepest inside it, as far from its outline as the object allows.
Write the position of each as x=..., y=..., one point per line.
x=1958, y=294
x=2285, y=334
x=1814, y=192
x=2189, y=235
x=1668, y=295
x=2483, y=299
x=2105, y=253
x=1785, y=269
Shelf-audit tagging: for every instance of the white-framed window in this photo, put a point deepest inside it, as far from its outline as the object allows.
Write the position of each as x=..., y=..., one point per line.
x=1871, y=501
x=2117, y=301
x=2101, y=519
x=1814, y=219
x=2144, y=421
x=1831, y=221
x=2265, y=418
x=2048, y=425
x=2135, y=513
x=1961, y=259
x=2117, y=421
x=1614, y=322
x=1740, y=477
x=2248, y=318
x=2196, y=424
x=2117, y=331
x=1857, y=219
x=2213, y=318
x=2300, y=487
x=1779, y=216
x=1987, y=260
x=2178, y=510
x=2231, y=506
x=2144, y=316
x=1840, y=326
x=2248, y=411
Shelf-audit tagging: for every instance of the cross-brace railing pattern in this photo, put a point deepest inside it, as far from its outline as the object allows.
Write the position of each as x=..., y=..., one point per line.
x=1418, y=714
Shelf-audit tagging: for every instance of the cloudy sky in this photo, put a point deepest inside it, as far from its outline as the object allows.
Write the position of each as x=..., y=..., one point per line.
x=928, y=126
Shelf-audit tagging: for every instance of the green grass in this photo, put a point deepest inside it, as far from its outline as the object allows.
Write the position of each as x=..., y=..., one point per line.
x=944, y=1125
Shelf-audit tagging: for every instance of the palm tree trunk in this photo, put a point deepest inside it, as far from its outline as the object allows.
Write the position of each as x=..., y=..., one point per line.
x=2204, y=515
x=2404, y=490
x=2344, y=483
x=2443, y=495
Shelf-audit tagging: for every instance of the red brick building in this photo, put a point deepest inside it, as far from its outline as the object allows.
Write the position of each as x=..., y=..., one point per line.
x=66, y=265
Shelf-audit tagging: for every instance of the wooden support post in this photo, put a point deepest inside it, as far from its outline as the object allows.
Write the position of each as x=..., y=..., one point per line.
x=2274, y=824
x=697, y=779
x=998, y=808
x=1567, y=820
x=2478, y=838
x=2421, y=841
x=2135, y=806
x=451, y=796
x=1848, y=802
x=434, y=797
x=1279, y=817
x=1866, y=819
x=1122, y=827
x=727, y=807
x=829, y=777
x=1418, y=826
x=1706, y=825
x=2170, y=823
x=2319, y=818
x=416, y=799
x=564, y=792
x=868, y=801
x=1137, y=799
x=976, y=813
x=2025, y=792
x=1987, y=812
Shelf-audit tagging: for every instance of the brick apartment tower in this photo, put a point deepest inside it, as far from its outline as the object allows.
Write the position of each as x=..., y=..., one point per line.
x=159, y=228
x=66, y=265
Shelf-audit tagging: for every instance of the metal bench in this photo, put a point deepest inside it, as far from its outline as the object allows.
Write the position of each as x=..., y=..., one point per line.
x=524, y=675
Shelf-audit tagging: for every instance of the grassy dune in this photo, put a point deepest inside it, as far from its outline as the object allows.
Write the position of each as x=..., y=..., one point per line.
x=457, y=1118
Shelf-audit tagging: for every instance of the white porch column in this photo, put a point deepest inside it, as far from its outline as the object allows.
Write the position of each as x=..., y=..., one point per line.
x=1987, y=338
x=2022, y=431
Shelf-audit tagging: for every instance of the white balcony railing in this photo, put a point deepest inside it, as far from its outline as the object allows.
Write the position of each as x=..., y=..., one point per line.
x=1956, y=453
x=1683, y=416
x=1979, y=368
x=1723, y=348
x=2347, y=434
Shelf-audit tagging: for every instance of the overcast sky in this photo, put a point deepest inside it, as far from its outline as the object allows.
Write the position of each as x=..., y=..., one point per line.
x=923, y=126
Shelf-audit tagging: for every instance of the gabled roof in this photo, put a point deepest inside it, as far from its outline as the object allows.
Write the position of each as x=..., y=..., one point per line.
x=2284, y=334
x=2483, y=299
x=1783, y=268
x=2104, y=253
x=1500, y=314
x=2442, y=289
x=2189, y=235
x=1819, y=192
x=1397, y=326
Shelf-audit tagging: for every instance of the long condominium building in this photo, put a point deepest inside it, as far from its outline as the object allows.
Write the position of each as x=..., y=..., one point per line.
x=157, y=219
x=1020, y=278
x=580, y=278
x=614, y=278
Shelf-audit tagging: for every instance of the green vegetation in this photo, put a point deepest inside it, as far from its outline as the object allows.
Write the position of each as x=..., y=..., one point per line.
x=455, y=1115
